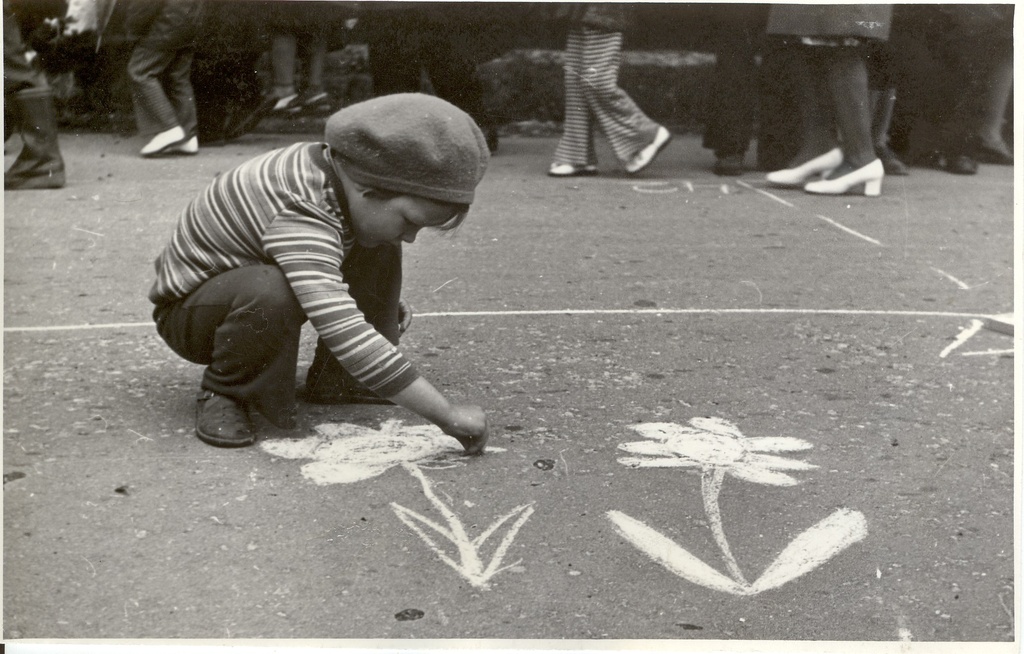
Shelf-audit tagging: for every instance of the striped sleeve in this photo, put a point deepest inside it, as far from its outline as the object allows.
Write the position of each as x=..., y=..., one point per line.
x=309, y=253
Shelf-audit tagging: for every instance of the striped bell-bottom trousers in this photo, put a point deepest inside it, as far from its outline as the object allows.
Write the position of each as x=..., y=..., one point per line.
x=592, y=95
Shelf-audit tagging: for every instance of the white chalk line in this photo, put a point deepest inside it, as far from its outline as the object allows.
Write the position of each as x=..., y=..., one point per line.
x=765, y=193
x=850, y=231
x=825, y=218
x=577, y=312
x=951, y=278
x=962, y=337
x=981, y=352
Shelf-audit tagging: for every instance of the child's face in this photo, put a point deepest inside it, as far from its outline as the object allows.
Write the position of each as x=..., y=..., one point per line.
x=378, y=220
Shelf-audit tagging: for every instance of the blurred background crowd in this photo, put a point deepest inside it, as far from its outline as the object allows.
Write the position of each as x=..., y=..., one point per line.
x=795, y=85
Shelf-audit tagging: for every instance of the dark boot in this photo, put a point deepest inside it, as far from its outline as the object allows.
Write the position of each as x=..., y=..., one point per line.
x=39, y=165
x=884, y=102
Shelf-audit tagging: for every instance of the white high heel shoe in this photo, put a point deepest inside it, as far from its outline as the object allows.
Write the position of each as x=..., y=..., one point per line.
x=822, y=164
x=870, y=176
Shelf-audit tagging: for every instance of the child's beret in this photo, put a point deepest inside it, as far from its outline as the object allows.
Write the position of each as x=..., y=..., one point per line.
x=410, y=143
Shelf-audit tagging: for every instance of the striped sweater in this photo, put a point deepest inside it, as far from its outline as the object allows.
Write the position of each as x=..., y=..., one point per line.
x=282, y=209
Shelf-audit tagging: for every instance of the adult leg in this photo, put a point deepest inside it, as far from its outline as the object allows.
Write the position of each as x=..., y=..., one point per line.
x=847, y=79
x=178, y=84
x=817, y=117
x=994, y=98
x=39, y=165
x=374, y=278
x=733, y=96
x=282, y=65
x=28, y=107
x=394, y=51
x=576, y=147
x=627, y=128
x=244, y=325
x=154, y=112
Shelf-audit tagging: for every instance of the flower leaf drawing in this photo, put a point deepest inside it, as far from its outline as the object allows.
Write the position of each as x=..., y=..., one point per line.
x=813, y=547
x=672, y=556
x=468, y=560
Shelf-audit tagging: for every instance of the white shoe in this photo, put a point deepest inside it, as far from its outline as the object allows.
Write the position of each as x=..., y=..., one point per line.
x=162, y=141
x=822, y=164
x=870, y=176
x=189, y=146
x=647, y=155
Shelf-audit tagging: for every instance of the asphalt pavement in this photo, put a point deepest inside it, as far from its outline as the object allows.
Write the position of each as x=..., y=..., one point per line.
x=721, y=413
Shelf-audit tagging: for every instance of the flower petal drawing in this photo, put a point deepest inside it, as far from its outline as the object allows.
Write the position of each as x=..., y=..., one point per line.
x=764, y=476
x=714, y=443
x=813, y=547
x=673, y=557
x=343, y=453
x=777, y=444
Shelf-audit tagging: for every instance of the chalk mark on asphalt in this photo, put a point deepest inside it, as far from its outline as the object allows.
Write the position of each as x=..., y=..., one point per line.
x=973, y=328
x=982, y=352
x=717, y=447
x=951, y=278
x=850, y=231
x=580, y=312
x=765, y=193
x=470, y=564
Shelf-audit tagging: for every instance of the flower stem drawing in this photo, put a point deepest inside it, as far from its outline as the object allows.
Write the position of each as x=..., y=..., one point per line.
x=469, y=562
x=711, y=485
x=717, y=447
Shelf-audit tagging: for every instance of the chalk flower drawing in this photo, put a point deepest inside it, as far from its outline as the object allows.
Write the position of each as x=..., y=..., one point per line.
x=346, y=453
x=470, y=561
x=718, y=448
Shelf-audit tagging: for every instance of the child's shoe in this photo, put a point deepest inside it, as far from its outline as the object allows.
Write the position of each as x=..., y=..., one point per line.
x=222, y=422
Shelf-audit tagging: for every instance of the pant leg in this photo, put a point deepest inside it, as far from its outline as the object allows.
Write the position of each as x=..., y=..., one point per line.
x=177, y=82
x=732, y=100
x=452, y=74
x=374, y=277
x=576, y=147
x=154, y=112
x=19, y=73
x=244, y=325
x=627, y=128
x=393, y=42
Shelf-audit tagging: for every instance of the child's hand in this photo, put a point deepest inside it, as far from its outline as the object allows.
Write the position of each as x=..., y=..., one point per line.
x=468, y=424
x=404, y=316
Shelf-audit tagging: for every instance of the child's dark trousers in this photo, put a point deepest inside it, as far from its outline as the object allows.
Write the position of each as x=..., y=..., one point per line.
x=244, y=325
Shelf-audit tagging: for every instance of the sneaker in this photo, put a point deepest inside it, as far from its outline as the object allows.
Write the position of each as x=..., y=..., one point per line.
x=163, y=141
x=223, y=422
x=647, y=155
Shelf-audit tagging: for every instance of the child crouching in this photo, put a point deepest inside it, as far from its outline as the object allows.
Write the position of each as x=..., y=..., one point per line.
x=314, y=232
